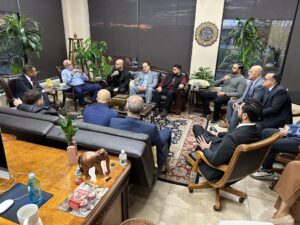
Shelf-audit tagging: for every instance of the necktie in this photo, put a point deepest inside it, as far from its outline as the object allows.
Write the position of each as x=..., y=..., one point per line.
x=250, y=90
x=266, y=96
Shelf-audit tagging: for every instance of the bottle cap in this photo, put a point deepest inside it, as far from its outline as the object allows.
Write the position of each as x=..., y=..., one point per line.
x=31, y=175
x=122, y=151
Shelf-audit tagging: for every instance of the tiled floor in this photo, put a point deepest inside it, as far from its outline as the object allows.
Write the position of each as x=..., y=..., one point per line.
x=172, y=204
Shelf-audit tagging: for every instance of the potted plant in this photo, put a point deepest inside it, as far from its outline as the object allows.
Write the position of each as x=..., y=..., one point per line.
x=21, y=36
x=246, y=38
x=91, y=55
x=69, y=129
x=202, y=78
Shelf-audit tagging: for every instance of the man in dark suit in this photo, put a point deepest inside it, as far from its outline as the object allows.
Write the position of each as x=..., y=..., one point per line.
x=220, y=150
x=168, y=86
x=118, y=80
x=254, y=90
x=99, y=113
x=277, y=106
x=33, y=102
x=135, y=105
x=27, y=81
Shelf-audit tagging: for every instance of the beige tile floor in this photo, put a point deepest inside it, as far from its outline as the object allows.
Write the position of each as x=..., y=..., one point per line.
x=166, y=204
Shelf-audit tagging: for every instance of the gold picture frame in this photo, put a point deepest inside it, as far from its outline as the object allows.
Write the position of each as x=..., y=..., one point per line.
x=206, y=34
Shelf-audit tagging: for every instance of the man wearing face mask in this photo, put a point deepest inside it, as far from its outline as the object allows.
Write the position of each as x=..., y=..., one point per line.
x=27, y=82
x=76, y=78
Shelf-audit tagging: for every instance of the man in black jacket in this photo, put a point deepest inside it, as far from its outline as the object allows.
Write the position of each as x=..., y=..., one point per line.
x=220, y=150
x=168, y=86
x=27, y=81
x=118, y=80
x=277, y=106
x=33, y=102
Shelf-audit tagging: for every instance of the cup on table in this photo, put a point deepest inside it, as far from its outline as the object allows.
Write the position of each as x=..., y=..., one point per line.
x=29, y=215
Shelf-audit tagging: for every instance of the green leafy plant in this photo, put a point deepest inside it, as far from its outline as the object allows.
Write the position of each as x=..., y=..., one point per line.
x=203, y=73
x=23, y=34
x=69, y=128
x=246, y=38
x=91, y=55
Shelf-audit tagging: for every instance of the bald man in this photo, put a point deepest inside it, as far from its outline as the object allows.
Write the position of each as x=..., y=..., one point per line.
x=99, y=113
x=135, y=105
x=118, y=80
x=254, y=89
x=76, y=78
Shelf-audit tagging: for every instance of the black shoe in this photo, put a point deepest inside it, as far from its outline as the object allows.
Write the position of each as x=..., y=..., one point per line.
x=214, y=121
x=203, y=115
x=213, y=129
x=164, y=113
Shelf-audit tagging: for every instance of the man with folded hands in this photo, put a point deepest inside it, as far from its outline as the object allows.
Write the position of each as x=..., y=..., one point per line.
x=218, y=150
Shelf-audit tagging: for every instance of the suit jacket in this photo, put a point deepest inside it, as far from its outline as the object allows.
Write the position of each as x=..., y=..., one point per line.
x=99, y=114
x=23, y=85
x=151, y=82
x=120, y=81
x=277, y=108
x=257, y=91
x=222, y=150
x=46, y=110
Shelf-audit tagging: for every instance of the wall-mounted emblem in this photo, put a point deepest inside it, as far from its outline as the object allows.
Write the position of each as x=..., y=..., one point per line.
x=206, y=34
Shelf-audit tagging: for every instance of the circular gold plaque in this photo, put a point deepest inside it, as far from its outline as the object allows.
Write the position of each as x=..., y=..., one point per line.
x=206, y=34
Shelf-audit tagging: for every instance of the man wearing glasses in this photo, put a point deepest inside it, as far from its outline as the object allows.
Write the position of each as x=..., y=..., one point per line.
x=76, y=78
x=145, y=82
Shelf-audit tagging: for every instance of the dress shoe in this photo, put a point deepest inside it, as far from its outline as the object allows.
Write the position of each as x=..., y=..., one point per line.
x=213, y=129
x=164, y=113
x=223, y=124
x=284, y=220
x=214, y=121
x=203, y=115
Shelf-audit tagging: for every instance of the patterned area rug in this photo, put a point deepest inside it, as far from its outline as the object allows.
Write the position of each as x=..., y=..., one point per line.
x=183, y=142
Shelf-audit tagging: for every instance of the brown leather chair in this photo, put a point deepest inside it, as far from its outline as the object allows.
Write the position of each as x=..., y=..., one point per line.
x=8, y=83
x=247, y=159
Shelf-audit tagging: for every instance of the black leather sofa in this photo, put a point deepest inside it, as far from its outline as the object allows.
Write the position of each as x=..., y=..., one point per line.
x=44, y=129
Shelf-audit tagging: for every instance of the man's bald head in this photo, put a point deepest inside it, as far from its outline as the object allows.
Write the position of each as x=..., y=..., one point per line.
x=103, y=96
x=67, y=63
x=119, y=64
x=135, y=104
x=254, y=72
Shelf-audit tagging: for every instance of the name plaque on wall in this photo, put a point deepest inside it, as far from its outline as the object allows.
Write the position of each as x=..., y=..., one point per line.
x=206, y=34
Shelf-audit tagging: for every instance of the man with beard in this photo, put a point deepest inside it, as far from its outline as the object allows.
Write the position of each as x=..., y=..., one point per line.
x=118, y=80
x=233, y=85
x=218, y=150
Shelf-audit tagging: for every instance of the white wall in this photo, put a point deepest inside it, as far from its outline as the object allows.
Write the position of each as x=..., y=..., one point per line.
x=207, y=11
x=76, y=19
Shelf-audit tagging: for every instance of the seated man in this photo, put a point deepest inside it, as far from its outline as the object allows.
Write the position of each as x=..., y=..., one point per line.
x=288, y=144
x=254, y=90
x=27, y=81
x=133, y=123
x=33, y=102
x=99, y=113
x=76, y=78
x=168, y=86
x=220, y=150
x=145, y=82
x=277, y=106
x=118, y=80
x=233, y=86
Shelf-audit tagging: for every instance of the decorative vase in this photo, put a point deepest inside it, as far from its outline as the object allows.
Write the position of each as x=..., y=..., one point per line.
x=72, y=153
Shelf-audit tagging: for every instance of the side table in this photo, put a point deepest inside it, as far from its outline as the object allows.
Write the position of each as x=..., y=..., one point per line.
x=192, y=96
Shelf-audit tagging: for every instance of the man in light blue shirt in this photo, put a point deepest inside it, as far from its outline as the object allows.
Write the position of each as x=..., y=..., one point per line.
x=145, y=82
x=75, y=78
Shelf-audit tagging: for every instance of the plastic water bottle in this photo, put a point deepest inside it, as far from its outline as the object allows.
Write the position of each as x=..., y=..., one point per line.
x=123, y=158
x=34, y=189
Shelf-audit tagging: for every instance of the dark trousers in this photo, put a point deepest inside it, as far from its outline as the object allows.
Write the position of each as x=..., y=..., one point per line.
x=165, y=136
x=86, y=87
x=171, y=94
x=284, y=145
x=206, y=97
x=46, y=99
x=120, y=90
x=197, y=130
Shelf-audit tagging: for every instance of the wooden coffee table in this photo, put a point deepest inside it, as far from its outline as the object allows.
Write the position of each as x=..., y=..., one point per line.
x=57, y=178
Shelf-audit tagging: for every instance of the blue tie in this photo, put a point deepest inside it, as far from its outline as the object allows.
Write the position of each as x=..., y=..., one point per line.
x=266, y=96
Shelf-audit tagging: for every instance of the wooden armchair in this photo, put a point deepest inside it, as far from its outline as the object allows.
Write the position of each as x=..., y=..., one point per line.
x=246, y=159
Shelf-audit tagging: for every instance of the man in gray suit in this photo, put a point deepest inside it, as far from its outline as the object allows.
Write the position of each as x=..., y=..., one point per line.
x=145, y=82
x=254, y=90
